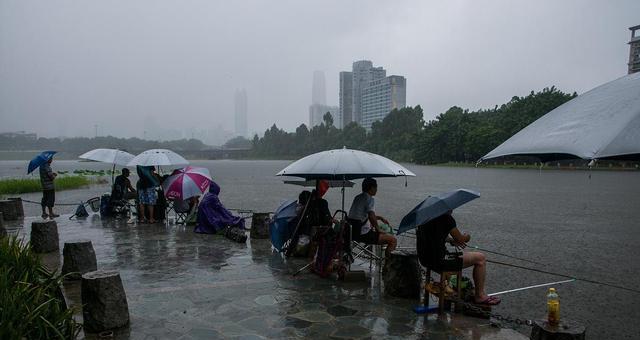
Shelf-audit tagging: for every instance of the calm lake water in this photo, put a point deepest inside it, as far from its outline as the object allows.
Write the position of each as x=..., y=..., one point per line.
x=581, y=225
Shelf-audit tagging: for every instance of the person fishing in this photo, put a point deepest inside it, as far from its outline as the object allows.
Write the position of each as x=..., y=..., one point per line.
x=432, y=253
x=364, y=219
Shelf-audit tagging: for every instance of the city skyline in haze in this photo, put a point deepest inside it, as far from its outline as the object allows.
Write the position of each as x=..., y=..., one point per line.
x=150, y=68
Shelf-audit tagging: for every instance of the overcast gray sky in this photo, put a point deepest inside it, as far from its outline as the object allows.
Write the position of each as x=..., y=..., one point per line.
x=135, y=66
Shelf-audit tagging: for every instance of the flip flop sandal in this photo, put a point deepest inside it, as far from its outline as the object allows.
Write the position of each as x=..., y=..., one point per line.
x=490, y=301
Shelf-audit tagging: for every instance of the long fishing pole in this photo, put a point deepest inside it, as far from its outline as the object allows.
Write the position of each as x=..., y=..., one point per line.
x=492, y=252
x=506, y=255
x=565, y=275
x=530, y=287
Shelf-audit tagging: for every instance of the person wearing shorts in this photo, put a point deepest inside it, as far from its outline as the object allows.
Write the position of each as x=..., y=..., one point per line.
x=147, y=195
x=364, y=220
x=432, y=253
x=47, y=176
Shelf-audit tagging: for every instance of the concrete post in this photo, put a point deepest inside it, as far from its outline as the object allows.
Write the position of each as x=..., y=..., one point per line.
x=567, y=329
x=79, y=258
x=44, y=236
x=104, y=302
x=8, y=210
x=260, y=226
x=401, y=274
x=19, y=207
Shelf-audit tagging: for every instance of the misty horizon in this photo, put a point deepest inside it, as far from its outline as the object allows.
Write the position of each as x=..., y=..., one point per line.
x=161, y=69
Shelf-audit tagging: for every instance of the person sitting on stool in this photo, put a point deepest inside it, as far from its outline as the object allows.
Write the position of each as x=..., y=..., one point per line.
x=432, y=253
x=364, y=220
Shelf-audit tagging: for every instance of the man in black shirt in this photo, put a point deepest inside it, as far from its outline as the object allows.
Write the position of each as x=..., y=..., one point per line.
x=122, y=188
x=432, y=252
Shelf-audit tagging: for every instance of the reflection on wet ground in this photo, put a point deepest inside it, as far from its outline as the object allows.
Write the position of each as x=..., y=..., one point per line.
x=182, y=285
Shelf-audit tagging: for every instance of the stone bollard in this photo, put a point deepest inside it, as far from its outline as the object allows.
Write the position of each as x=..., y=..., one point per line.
x=79, y=258
x=260, y=225
x=104, y=302
x=3, y=231
x=8, y=210
x=44, y=236
x=401, y=274
x=19, y=207
x=567, y=329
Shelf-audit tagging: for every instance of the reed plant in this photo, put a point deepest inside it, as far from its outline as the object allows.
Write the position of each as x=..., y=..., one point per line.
x=31, y=301
x=13, y=186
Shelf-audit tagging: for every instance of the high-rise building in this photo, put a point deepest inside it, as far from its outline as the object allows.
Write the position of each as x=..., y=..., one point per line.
x=381, y=97
x=241, y=128
x=318, y=89
x=346, y=99
x=363, y=73
x=634, y=49
x=370, y=95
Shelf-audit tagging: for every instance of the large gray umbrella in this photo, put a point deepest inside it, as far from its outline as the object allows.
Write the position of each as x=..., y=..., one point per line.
x=344, y=164
x=603, y=123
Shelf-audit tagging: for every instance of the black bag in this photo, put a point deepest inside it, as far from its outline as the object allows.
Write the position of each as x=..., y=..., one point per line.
x=81, y=212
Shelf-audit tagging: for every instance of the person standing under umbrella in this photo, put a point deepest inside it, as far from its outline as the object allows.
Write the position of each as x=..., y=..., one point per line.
x=47, y=176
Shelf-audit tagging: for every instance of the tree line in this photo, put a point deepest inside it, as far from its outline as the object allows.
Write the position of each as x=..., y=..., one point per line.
x=457, y=135
x=82, y=144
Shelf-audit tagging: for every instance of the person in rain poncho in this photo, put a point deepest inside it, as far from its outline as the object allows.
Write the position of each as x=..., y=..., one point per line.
x=213, y=216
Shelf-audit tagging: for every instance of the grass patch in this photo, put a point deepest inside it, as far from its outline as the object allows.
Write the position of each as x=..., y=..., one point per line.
x=14, y=186
x=31, y=301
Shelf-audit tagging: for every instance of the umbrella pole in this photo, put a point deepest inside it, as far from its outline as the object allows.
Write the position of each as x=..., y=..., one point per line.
x=113, y=171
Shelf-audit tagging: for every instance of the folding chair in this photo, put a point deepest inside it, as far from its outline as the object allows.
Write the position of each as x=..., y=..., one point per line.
x=182, y=210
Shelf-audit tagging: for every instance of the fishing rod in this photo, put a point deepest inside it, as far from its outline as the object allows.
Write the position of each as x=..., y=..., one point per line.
x=530, y=287
x=506, y=255
x=567, y=276
x=492, y=252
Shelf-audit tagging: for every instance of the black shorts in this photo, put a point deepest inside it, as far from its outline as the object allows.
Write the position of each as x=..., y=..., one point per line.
x=370, y=237
x=452, y=264
x=48, y=198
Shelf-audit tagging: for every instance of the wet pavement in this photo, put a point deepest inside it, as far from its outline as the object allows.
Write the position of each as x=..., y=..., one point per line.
x=182, y=285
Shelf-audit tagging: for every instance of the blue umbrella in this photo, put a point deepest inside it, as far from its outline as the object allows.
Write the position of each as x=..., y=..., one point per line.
x=279, y=229
x=435, y=206
x=40, y=159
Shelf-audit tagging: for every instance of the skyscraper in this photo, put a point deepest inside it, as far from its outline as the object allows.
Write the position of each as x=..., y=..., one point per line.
x=363, y=73
x=241, y=113
x=381, y=97
x=318, y=89
x=319, y=107
x=634, y=49
x=346, y=99
x=367, y=94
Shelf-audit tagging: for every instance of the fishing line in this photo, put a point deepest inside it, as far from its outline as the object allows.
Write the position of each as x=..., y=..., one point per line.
x=567, y=276
x=39, y=203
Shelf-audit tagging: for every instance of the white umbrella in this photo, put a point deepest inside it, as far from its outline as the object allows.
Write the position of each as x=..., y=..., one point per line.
x=344, y=164
x=155, y=157
x=603, y=123
x=111, y=156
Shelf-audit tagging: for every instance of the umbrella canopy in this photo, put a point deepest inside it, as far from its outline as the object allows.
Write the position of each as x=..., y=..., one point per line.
x=435, y=206
x=186, y=183
x=279, y=229
x=312, y=183
x=156, y=157
x=111, y=156
x=344, y=164
x=603, y=123
x=40, y=159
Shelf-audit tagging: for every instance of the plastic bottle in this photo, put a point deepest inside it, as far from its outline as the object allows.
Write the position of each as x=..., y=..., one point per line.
x=553, y=307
